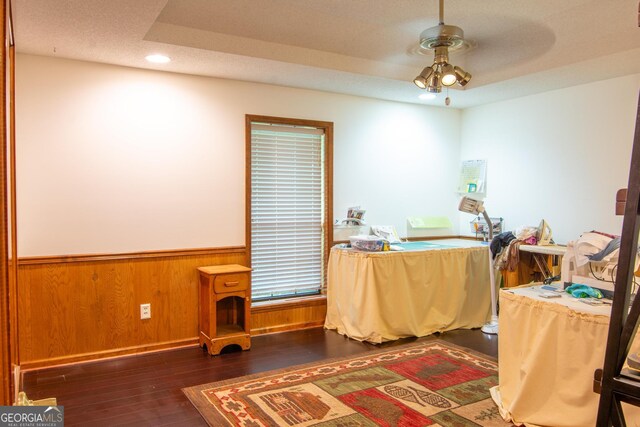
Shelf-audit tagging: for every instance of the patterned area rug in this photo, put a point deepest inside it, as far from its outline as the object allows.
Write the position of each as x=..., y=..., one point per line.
x=433, y=383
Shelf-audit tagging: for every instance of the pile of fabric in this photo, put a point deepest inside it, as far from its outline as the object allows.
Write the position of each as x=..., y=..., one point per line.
x=504, y=247
x=594, y=254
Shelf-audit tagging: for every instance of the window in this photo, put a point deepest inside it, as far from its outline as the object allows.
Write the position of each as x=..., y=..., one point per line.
x=288, y=205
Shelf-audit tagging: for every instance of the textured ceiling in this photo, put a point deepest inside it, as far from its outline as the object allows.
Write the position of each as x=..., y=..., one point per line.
x=359, y=47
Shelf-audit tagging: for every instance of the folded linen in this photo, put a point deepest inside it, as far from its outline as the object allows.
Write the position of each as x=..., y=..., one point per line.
x=578, y=290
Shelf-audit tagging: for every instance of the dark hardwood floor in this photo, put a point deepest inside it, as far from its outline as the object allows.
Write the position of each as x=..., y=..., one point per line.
x=146, y=389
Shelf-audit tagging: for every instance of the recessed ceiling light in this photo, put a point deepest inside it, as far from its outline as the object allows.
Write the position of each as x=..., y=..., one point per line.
x=158, y=59
x=427, y=96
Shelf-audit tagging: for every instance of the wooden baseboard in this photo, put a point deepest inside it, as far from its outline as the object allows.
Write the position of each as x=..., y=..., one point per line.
x=107, y=354
x=145, y=349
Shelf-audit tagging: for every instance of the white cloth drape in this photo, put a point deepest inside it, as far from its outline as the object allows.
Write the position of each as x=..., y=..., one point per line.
x=548, y=352
x=384, y=296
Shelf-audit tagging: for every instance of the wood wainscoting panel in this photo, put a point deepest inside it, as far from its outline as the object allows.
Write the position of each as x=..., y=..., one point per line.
x=88, y=307
x=287, y=315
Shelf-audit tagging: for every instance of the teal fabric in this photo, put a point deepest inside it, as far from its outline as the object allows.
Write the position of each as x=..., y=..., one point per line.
x=583, y=291
x=420, y=246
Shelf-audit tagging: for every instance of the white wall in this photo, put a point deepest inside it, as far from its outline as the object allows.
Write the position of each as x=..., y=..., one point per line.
x=559, y=155
x=115, y=159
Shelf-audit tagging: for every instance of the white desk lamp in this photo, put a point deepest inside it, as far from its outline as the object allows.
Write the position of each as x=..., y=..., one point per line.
x=476, y=207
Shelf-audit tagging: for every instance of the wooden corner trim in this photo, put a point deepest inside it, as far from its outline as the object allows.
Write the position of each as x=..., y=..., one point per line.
x=60, y=259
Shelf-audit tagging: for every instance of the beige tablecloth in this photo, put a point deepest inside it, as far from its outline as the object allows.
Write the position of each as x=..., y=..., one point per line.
x=384, y=296
x=548, y=351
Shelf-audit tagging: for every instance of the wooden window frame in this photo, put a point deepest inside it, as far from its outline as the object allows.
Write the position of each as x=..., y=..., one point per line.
x=327, y=127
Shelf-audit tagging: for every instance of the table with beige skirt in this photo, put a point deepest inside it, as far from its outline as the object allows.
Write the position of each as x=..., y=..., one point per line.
x=383, y=296
x=548, y=350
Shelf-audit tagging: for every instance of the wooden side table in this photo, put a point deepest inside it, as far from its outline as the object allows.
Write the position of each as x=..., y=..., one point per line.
x=224, y=308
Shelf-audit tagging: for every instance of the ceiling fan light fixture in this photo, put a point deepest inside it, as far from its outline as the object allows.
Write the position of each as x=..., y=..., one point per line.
x=442, y=39
x=441, y=55
x=421, y=80
x=434, y=83
x=442, y=35
x=449, y=77
x=462, y=77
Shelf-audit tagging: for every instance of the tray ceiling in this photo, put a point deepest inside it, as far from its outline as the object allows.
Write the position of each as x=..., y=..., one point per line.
x=359, y=47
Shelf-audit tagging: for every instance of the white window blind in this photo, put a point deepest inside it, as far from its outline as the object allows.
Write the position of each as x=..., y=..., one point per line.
x=287, y=210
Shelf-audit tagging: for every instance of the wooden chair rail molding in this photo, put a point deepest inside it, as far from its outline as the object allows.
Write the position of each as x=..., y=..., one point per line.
x=56, y=259
x=85, y=307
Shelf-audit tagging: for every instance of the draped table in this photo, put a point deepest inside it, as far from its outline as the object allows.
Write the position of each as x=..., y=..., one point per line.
x=429, y=287
x=548, y=351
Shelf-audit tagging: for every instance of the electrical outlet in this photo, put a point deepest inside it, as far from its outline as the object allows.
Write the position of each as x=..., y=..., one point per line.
x=145, y=311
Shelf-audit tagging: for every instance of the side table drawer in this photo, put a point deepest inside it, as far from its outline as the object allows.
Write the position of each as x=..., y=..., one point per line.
x=230, y=283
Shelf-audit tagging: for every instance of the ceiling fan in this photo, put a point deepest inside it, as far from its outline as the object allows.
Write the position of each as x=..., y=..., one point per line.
x=442, y=39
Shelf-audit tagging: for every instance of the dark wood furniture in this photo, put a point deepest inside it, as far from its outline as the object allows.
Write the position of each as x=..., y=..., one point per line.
x=225, y=307
x=621, y=199
x=536, y=263
x=615, y=382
